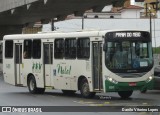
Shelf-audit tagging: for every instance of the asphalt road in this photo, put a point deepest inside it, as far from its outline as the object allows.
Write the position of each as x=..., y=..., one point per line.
x=19, y=96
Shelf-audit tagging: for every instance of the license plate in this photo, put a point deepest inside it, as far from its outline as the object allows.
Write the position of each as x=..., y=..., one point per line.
x=132, y=84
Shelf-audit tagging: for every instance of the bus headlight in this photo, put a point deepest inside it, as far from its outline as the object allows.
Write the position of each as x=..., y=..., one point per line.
x=111, y=79
x=149, y=79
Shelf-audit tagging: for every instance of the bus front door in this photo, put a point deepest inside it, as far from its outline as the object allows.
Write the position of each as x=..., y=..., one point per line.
x=48, y=61
x=18, y=62
x=97, y=66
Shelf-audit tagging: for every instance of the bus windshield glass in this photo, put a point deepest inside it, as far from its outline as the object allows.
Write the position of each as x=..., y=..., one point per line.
x=128, y=54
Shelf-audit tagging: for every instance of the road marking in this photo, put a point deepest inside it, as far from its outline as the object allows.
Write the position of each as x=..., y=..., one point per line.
x=91, y=103
x=96, y=105
x=107, y=103
x=145, y=103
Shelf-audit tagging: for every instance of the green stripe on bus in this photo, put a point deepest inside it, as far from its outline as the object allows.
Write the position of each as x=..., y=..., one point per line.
x=124, y=86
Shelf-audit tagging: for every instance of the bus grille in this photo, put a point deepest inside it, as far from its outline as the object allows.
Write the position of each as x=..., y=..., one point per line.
x=131, y=75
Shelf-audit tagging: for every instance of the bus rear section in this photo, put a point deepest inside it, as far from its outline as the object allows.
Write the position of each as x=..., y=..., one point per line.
x=23, y=61
x=12, y=62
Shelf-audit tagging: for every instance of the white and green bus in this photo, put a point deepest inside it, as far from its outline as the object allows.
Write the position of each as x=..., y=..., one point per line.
x=89, y=61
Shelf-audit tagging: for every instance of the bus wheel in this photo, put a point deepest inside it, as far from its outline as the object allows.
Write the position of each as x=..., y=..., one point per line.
x=41, y=90
x=33, y=87
x=125, y=94
x=85, y=92
x=144, y=91
x=68, y=92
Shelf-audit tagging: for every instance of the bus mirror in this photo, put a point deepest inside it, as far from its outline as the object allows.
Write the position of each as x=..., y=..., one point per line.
x=105, y=47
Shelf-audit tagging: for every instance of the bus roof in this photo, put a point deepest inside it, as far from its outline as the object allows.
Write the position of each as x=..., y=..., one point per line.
x=56, y=34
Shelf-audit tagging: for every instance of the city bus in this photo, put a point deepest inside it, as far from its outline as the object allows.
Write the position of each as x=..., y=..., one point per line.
x=87, y=61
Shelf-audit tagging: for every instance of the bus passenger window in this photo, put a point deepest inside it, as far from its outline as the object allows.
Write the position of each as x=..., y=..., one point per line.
x=36, y=49
x=9, y=49
x=83, y=48
x=27, y=49
x=70, y=48
x=59, y=48
x=1, y=52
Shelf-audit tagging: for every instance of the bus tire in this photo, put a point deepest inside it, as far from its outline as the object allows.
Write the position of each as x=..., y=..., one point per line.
x=32, y=87
x=41, y=90
x=68, y=92
x=84, y=89
x=144, y=91
x=125, y=94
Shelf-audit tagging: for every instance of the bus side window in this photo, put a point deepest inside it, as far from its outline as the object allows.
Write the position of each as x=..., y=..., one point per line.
x=9, y=49
x=83, y=48
x=70, y=48
x=59, y=48
x=1, y=52
x=27, y=49
x=36, y=49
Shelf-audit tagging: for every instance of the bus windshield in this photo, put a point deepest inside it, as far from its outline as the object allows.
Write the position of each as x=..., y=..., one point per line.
x=128, y=56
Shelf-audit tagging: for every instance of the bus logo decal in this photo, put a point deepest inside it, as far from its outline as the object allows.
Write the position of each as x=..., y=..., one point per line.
x=36, y=67
x=8, y=66
x=64, y=70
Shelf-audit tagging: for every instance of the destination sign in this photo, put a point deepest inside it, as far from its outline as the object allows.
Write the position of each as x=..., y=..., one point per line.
x=127, y=34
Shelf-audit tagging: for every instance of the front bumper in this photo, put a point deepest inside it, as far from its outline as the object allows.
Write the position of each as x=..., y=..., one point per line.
x=124, y=86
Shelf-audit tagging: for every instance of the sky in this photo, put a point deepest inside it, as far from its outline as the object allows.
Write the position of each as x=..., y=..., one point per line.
x=132, y=2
